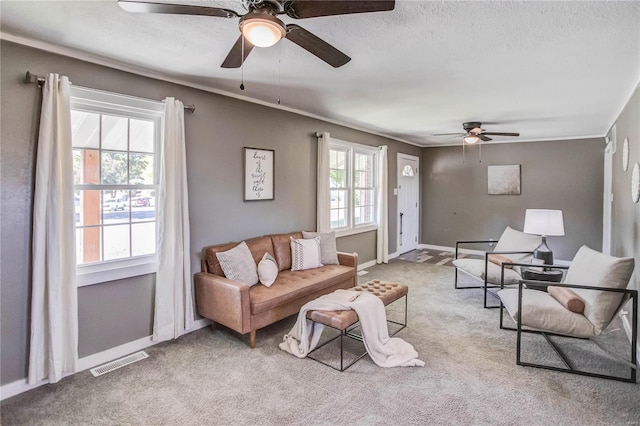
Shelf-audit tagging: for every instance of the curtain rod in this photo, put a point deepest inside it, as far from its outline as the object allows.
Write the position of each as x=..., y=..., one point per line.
x=30, y=78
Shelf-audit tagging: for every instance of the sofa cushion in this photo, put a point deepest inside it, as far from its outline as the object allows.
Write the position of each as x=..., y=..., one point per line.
x=328, y=249
x=305, y=254
x=291, y=285
x=238, y=264
x=259, y=246
x=595, y=269
x=475, y=268
x=282, y=248
x=542, y=312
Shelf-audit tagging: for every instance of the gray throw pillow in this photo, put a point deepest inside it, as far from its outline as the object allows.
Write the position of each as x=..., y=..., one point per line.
x=238, y=265
x=328, y=250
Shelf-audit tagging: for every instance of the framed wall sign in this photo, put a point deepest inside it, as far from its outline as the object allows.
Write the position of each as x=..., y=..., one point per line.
x=259, y=183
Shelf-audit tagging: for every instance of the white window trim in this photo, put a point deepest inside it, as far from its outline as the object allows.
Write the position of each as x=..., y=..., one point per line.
x=352, y=147
x=105, y=102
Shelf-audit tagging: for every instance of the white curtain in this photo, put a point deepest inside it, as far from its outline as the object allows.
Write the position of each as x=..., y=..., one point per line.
x=383, y=206
x=54, y=297
x=173, y=314
x=323, y=200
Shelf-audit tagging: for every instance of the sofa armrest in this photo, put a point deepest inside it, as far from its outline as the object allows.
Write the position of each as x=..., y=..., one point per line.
x=224, y=301
x=348, y=259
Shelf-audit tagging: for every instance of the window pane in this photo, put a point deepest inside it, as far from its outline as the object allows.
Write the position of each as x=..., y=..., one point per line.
x=338, y=218
x=337, y=169
x=141, y=135
x=114, y=133
x=85, y=129
x=143, y=206
x=140, y=169
x=143, y=239
x=114, y=168
x=116, y=242
x=87, y=208
x=86, y=166
x=115, y=207
x=363, y=171
x=88, y=245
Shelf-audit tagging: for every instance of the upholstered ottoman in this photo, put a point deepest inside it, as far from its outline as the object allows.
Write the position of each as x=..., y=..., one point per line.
x=346, y=321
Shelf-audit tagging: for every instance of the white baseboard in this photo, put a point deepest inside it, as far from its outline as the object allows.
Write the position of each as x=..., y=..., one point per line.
x=393, y=255
x=20, y=386
x=366, y=265
x=626, y=324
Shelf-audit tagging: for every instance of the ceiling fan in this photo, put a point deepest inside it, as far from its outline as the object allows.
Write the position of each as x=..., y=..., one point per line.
x=473, y=133
x=261, y=26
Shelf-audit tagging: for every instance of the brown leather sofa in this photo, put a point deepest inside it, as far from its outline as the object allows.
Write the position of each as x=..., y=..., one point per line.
x=246, y=309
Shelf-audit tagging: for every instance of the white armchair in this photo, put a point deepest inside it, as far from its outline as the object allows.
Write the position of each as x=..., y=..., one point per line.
x=514, y=245
x=598, y=283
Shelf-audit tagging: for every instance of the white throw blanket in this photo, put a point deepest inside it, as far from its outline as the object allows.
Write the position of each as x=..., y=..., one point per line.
x=385, y=351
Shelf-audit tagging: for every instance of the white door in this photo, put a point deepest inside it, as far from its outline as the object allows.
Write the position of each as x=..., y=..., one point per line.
x=607, y=198
x=408, y=195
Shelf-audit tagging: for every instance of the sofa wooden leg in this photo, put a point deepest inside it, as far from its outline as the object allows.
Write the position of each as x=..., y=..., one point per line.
x=252, y=339
x=213, y=326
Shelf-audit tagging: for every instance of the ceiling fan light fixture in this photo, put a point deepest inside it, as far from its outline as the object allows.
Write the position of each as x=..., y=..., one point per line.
x=262, y=31
x=471, y=139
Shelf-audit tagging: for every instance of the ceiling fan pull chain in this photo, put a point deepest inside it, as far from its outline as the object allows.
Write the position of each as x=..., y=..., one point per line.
x=279, y=69
x=463, y=151
x=242, y=66
x=480, y=151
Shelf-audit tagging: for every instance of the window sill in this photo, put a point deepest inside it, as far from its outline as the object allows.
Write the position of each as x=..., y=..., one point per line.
x=115, y=270
x=354, y=231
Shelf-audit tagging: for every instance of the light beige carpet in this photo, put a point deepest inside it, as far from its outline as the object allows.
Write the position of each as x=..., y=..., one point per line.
x=470, y=377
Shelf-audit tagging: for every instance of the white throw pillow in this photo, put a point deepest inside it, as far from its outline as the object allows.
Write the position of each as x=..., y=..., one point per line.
x=267, y=270
x=238, y=264
x=328, y=249
x=305, y=254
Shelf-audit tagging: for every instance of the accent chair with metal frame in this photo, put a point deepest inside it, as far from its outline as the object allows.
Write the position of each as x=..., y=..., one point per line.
x=512, y=244
x=600, y=282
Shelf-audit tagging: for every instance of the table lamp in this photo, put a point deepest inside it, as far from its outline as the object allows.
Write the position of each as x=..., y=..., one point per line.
x=544, y=223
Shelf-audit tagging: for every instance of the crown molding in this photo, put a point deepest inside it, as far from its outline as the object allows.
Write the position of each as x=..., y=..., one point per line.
x=121, y=66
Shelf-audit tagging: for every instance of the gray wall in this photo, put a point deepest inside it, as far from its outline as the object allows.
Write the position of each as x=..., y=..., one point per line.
x=625, y=215
x=115, y=313
x=565, y=175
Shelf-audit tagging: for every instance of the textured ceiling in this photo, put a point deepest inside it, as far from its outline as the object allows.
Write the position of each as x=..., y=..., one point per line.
x=549, y=70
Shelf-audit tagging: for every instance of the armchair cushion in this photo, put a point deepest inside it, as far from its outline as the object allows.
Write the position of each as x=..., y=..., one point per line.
x=594, y=269
x=540, y=311
x=475, y=268
x=512, y=240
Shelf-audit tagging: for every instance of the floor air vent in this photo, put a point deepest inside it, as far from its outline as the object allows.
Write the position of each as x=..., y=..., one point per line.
x=114, y=365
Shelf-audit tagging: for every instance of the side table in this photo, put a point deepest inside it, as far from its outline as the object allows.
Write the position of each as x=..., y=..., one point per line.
x=539, y=274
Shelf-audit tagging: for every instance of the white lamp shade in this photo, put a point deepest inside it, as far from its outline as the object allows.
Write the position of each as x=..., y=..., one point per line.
x=544, y=222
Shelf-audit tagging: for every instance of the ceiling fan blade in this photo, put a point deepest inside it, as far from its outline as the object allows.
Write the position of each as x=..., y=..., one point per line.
x=299, y=9
x=176, y=9
x=315, y=45
x=234, y=59
x=484, y=138
x=500, y=134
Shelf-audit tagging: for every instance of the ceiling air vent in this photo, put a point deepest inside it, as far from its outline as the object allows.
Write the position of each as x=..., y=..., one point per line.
x=114, y=365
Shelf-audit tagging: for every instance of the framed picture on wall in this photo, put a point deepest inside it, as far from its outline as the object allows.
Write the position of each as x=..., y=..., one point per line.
x=259, y=184
x=503, y=180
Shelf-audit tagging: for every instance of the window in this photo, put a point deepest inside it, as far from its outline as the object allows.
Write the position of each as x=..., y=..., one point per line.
x=352, y=186
x=115, y=139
